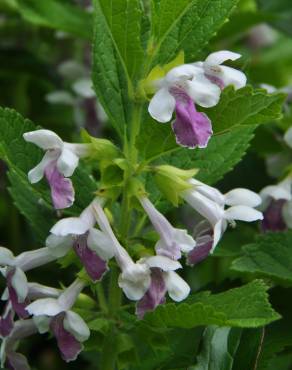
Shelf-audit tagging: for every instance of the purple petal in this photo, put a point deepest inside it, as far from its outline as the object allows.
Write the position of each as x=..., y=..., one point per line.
x=200, y=252
x=16, y=361
x=6, y=322
x=154, y=296
x=273, y=217
x=18, y=307
x=62, y=190
x=67, y=343
x=216, y=80
x=192, y=129
x=95, y=266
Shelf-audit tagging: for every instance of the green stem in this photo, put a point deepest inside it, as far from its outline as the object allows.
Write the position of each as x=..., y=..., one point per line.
x=101, y=298
x=115, y=293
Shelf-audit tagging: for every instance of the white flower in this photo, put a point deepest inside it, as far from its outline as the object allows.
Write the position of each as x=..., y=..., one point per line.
x=189, y=79
x=67, y=326
x=172, y=241
x=210, y=203
x=94, y=247
x=65, y=154
x=177, y=288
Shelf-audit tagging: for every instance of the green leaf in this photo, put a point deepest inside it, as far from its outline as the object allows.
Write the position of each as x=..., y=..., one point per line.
x=185, y=25
x=219, y=348
x=221, y=155
x=270, y=256
x=246, y=106
x=117, y=56
x=32, y=203
x=246, y=307
x=57, y=15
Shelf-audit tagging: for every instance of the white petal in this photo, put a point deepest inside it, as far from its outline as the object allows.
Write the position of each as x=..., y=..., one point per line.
x=208, y=191
x=178, y=289
x=288, y=137
x=220, y=57
x=184, y=240
x=59, y=245
x=287, y=214
x=162, y=105
x=44, y=306
x=203, y=91
x=67, y=162
x=203, y=205
x=83, y=87
x=135, y=281
x=36, y=291
x=232, y=76
x=242, y=213
x=162, y=262
x=243, y=197
x=218, y=231
x=180, y=74
x=20, y=284
x=75, y=325
x=70, y=226
x=6, y=257
x=45, y=139
x=37, y=173
x=42, y=323
x=101, y=243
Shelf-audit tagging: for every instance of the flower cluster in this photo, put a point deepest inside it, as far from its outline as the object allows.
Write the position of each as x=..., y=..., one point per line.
x=92, y=239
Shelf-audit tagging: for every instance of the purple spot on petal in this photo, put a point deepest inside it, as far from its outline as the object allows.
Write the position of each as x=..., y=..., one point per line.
x=216, y=80
x=273, y=218
x=95, y=266
x=67, y=343
x=16, y=361
x=6, y=322
x=154, y=296
x=200, y=252
x=18, y=307
x=62, y=190
x=192, y=129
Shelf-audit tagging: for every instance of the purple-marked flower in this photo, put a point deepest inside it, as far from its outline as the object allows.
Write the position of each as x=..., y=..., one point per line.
x=210, y=203
x=179, y=90
x=9, y=357
x=92, y=246
x=68, y=327
x=163, y=279
x=172, y=241
x=277, y=206
x=222, y=75
x=17, y=292
x=58, y=163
